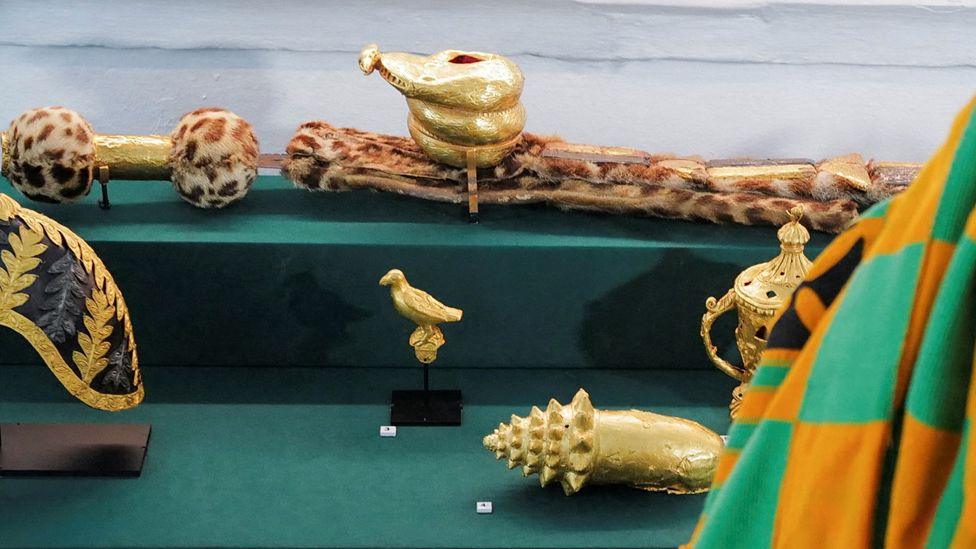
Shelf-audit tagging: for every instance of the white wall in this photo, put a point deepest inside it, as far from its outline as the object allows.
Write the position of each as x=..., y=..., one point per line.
x=717, y=78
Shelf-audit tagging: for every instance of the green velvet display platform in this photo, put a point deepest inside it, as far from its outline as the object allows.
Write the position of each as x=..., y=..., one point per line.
x=269, y=353
x=285, y=457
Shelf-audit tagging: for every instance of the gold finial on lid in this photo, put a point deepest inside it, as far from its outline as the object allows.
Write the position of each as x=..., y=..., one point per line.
x=782, y=274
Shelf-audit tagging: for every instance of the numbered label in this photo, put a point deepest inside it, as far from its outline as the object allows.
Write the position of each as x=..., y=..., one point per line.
x=387, y=430
x=483, y=507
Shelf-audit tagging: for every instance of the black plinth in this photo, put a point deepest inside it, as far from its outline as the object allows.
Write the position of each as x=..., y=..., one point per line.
x=73, y=449
x=426, y=408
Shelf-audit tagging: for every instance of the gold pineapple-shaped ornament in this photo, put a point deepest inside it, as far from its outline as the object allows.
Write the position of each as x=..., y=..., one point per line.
x=576, y=445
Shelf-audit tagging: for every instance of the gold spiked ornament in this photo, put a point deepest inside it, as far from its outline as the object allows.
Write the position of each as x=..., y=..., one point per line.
x=576, y=445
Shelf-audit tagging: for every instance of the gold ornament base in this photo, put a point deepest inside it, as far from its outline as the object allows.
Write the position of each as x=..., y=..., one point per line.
x=425, y=341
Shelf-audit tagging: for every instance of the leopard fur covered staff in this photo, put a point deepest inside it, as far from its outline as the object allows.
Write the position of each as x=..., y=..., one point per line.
x=544, y=169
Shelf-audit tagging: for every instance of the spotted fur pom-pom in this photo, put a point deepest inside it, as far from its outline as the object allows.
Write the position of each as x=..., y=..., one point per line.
x=214, y=157
x=52, y=154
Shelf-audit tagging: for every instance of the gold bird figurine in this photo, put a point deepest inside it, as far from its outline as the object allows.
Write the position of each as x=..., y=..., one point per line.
x=423, y=310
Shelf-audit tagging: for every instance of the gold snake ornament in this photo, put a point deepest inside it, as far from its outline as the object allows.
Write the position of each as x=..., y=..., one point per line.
x=459, y=102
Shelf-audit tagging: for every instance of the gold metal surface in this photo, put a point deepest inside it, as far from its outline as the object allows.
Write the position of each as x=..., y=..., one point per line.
x=134, y=156
x=458, y=101
x=851, y=169
x=756, y=295
x=577, y=445
x=127, y=156
x=902, y=165
x=688, y=169
x=472, y=169
x=17, y=276
x=423, y=310
x=593, y=153
x=769, y=172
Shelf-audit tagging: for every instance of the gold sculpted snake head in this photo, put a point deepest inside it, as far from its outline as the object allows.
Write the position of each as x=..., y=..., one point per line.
x=458, y=101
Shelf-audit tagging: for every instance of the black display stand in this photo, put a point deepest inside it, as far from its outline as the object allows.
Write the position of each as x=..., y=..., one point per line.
x=426, y=407
x=73, y=449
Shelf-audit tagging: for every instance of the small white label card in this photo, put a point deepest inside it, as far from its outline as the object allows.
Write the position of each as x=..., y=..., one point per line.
x=387, y=430
x=483, y=507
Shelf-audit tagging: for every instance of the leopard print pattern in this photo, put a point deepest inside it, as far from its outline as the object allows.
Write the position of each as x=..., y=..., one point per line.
x=317, y=151
x=214, y=157
x=51, y=155
x=321, y=157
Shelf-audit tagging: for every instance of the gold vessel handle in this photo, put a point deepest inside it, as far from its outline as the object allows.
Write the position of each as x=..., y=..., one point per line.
x=716, y=308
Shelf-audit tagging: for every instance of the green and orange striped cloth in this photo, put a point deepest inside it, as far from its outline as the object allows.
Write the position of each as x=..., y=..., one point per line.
x=856, y=429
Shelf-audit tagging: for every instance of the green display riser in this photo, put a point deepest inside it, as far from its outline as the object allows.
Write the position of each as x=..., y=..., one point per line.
x=289, y=278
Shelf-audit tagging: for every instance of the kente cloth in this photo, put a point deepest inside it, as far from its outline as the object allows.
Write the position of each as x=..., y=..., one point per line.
x=856, y=428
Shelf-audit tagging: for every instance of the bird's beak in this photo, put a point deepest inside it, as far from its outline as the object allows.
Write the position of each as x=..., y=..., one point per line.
x=385, y=281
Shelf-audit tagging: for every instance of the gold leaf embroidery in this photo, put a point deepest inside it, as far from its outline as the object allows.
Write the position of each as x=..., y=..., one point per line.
x=39, y=225
x=14, y=269
x=94, y=345
x=18, y=262
x=8, y=207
